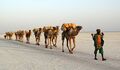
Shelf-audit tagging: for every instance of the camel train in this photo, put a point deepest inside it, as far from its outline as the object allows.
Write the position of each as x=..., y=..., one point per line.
x=69, y=32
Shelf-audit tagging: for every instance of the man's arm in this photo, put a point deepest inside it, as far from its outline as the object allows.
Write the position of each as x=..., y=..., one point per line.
x=93, y=36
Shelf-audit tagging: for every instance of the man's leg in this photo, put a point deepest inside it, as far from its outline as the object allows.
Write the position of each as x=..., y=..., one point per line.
x=101, y=51
x=95, y=53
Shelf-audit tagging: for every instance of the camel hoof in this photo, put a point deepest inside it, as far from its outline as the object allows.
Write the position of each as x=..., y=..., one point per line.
x=70, y=52
x=72, y=49
x=27, y=42
x=55, y=45
x=46, y=46
x=50, y=47
x=37, y=44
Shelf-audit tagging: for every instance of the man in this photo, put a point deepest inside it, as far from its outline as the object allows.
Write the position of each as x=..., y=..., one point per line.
x=98, y=43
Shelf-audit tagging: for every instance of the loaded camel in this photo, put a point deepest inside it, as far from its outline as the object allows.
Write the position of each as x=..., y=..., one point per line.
x=70, y=31
x=27, y=35
x=19, y=35
x=55, y=35
x=50, y=34
x=37, y=32
x=8, y=35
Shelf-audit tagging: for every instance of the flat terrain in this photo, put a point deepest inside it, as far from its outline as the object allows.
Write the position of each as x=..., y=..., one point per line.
x=16, y=55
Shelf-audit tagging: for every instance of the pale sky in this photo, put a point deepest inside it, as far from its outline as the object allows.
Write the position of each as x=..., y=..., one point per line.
x=28, y=14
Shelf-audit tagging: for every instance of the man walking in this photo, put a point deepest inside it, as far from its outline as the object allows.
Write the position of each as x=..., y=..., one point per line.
x=98, y=43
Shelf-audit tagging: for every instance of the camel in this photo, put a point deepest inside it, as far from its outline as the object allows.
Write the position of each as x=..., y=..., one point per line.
x=16, y=35
x=5, y=36
x=28, y=34
x=55, y=35
x=37, y=32
x=8, y=35
x=69, y=33
x=20, y=35
x=48, y=34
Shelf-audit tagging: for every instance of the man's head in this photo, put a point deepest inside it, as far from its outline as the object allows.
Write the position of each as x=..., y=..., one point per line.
x=98, y=31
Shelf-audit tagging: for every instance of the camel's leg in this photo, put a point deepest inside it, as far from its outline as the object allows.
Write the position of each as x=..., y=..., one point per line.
x=70, y=50
x=46, y=46
x=74, y=44
x=15, y=37
x=70, y=43
x=38, y=40
x=26, y=39
x=6, y=37
x=19, y=38
x=63, y=38
x=67, y=40
x=55, y=41
x=67, y=44
x=9, y=37
x=50, y=42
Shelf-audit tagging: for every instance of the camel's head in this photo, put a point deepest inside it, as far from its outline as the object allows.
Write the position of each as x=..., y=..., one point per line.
x=40, y=29
x=79, y=27
x=57, y=27
x=35, y=30
x=30, y=31
x=44, y=29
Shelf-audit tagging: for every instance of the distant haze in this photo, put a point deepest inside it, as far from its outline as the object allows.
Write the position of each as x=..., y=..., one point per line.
x=28, y=14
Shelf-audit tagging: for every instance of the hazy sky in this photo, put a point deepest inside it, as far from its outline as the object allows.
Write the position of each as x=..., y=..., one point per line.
x=28, y=14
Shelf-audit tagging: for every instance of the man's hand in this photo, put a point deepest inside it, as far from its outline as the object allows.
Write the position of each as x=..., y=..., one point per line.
x=92, y=35
x=102, y=33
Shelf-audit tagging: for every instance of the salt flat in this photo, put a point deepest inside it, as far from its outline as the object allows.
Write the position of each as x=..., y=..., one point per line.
x=16, y=55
